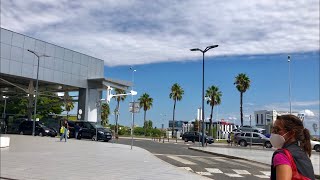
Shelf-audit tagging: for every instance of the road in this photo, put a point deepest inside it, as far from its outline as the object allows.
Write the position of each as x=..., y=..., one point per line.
x=211, y=166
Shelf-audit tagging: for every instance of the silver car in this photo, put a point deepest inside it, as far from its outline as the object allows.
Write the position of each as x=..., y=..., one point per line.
x=245, y=138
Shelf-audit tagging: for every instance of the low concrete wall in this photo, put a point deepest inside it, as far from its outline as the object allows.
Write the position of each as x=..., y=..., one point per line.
x=4, y=142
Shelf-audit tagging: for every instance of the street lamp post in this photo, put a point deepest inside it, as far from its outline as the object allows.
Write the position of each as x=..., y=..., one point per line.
x=5, y=105
x=133, y=106
x=289, y=83
x=203, y=52
x=35, y=103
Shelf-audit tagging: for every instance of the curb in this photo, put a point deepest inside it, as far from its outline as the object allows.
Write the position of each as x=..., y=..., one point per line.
x=235, y=157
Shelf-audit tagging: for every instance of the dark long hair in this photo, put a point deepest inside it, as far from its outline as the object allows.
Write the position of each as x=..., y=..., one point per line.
x=293, y=124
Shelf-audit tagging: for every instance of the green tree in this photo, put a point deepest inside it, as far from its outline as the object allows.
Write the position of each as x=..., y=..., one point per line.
x=242, y=83
x=116, y=111
x=68, y=103
x=48, y=103
x=145, y=103
x=214, y=96
x=176, y=95
x=105, y=112
x=148, y=124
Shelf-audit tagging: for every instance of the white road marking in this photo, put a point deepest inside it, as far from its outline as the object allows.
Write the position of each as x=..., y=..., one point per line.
x=262, y=176
x=186, y=168
x=183, y=161
x=233, y=175
x=229, y=162
x=204, y=173
x=267, y=173
x=204, y=160
x=238, y=171
x=252, y=163
x=214, y=170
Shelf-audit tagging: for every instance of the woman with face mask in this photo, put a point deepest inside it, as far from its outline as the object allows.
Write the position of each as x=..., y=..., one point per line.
x=291, y=160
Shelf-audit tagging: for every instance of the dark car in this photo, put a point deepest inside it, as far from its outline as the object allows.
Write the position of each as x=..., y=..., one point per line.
x=89, y=130
x=26, y=127
x=245, y=138
x=3, y=126
x=196, y=136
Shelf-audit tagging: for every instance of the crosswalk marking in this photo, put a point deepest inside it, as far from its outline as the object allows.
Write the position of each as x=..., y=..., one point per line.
x=267, y=173
x=204, y=173
x=231, y=163
x=183, y=161
x=214, y=170
x=207, y=161
x=241, y=171
x=252, y=163
x=262, y=176
x=186, y=168
x=233, y=175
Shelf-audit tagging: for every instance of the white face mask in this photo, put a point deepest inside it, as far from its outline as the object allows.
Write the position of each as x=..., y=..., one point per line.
x=277, y=140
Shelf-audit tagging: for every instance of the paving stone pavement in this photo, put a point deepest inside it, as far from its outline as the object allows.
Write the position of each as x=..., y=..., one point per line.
x=47, y=158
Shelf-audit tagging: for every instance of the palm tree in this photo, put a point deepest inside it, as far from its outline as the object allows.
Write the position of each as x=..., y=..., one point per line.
x=243, y=83
x=116, y=111
x=105, y=112
x=176, y=95
x=145, y=103
x=214, y=96
x=68, y=103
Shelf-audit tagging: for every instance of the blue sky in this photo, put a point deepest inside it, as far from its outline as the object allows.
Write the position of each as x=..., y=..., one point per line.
x=269, y=85
x=254, y=37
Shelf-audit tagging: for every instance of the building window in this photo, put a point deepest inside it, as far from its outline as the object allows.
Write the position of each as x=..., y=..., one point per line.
x=257, y=119
x=261, y=118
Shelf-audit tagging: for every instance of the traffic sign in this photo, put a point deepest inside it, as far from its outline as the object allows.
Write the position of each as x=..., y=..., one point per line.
x=135, y=106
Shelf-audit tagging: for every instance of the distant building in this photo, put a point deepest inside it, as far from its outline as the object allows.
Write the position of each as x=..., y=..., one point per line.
x=266, y=118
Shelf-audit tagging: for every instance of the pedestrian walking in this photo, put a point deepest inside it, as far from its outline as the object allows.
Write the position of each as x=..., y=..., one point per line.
x=65, y=131
x=231, y=138
x=291, y=160
x=76, y=130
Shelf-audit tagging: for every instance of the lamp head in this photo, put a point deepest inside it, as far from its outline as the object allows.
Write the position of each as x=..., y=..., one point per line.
x=195, y=49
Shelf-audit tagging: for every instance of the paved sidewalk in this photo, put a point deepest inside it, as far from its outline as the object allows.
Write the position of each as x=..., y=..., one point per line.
x=255, y=155
x=47, y=158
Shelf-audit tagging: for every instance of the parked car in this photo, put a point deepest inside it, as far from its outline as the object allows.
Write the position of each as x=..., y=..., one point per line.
x=26, y=127
x=3, y=126
x=13, y=125
x=315, y=145
x=88, y=130
x=245, y=138
x=196, y=136
x=250, y=129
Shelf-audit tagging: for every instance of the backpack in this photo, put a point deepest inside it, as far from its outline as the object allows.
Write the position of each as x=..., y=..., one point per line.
x=295, y=174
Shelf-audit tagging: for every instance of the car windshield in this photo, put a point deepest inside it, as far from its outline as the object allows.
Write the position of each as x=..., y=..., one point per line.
x=96, y=125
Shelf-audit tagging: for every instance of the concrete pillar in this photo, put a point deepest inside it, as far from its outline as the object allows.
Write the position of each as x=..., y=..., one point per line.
x=89, y=103
x=82, y=101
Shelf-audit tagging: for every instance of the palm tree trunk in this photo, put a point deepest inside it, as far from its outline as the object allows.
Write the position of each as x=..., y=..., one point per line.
x=241, y=113
x=117, y=118
x=174, y=109
x=210, y=126
x=145, y=124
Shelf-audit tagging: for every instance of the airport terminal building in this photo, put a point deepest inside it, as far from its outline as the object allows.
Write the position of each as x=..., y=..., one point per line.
x=64, y=70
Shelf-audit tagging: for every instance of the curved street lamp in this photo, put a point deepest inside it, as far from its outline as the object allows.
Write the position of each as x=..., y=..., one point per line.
x=35, y=103
x=203, y=52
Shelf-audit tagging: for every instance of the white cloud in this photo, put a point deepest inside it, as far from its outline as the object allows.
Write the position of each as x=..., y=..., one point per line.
x=138, y=32
x=308, y=113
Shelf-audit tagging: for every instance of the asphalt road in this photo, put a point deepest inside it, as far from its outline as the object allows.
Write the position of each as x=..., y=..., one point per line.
x=211, y=166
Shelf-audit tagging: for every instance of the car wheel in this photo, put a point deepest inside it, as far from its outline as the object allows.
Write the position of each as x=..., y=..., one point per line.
x=40, y=134
x=268, y=145
x=243, y=143
x=317, y=148
x=79, y=136
x=185, y=139
x=93, y=138
x=106, y=140
x=21, y=132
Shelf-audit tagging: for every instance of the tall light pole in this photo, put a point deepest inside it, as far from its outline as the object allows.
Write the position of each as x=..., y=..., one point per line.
x=5, y=105
x=133, y=105
x=35, y=102
x=289, y=83
x=203, y=52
